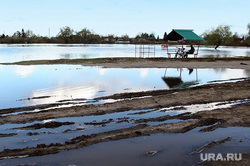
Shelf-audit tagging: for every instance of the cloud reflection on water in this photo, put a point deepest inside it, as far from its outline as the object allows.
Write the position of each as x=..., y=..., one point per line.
x=24, y=71
x=63, y=93
x=64, y=82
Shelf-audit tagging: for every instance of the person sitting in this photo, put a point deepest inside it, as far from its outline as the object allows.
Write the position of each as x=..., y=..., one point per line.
x=191, y=51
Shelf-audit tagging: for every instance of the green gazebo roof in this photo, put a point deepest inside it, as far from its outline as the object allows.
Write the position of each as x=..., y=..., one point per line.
x=186, y=34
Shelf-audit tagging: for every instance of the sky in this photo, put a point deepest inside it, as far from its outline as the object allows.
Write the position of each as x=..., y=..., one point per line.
x=120, y=17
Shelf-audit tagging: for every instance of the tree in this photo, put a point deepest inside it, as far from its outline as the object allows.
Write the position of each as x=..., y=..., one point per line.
x=152, y=36
x=85, y=35
x=247, y=41
x=125, y=37
x=23, y=34
x=30, y=34
x=158, y=38
x=111, y=38
x=16, y=34
x=218, y=36
x=165, y=36
x=2, y=36
x=248, y=28
x=66, y=34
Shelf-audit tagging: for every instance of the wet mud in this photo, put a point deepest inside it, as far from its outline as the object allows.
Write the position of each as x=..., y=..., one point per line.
x=139, y=125
x=213, y=143
x=7, y=135
x=240, y=63
x=158, y=99
x=45, y=125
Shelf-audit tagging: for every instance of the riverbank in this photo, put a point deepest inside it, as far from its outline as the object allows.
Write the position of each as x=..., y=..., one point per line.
x=234, y=63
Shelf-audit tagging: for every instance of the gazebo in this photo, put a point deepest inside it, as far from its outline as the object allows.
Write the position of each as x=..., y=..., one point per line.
x=183, y=35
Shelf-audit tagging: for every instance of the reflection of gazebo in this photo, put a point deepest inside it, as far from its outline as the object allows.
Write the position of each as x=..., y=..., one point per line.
x=172, y=81
x=176, y=82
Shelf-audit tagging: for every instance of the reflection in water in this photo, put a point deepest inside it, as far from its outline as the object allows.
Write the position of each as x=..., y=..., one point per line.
x=24, y=71
x=177, y=82
x=223, y=52
x=63, y=93
x=102, y=71
x=143, y=72
x=65, y=56
x=27, y=85
x=246, y=72
x=233, y=74
x=72, y=56
x=248, y=53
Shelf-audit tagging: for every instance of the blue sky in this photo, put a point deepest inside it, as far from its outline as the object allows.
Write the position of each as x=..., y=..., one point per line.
x=120, y=17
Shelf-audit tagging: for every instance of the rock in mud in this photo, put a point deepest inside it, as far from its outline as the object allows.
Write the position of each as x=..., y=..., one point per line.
x=150, y=153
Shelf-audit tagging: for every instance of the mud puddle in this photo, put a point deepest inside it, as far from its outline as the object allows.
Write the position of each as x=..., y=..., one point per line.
x=132, y=151
x=61, y=130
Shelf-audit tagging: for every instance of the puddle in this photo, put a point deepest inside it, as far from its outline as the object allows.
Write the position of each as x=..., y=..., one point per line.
x=63, y=129
x=172, y=149
x=75, y=84
x=194, y=108
x=159, y=149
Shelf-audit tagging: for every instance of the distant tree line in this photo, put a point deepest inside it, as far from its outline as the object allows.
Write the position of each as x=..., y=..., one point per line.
x=67, y=35
x=221, y=35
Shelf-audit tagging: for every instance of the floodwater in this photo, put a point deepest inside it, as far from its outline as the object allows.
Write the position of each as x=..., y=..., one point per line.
x=46, y=84
x=24, y=52
x=22, y=86
x=171, y=149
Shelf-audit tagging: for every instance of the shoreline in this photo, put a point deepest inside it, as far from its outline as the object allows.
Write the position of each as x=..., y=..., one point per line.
x=234, y=63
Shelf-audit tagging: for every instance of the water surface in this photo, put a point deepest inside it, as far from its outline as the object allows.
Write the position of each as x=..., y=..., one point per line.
x=44, y=84
x=25, y=52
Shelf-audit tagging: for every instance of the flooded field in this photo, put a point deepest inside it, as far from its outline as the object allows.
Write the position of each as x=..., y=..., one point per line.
x=82, y=115
x=171, y=149
x=24, y=52
x=146, y=136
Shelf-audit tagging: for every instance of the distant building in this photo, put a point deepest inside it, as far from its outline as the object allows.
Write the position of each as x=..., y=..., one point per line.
x=108, y=39
x=238, y=40
x=121, y=41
